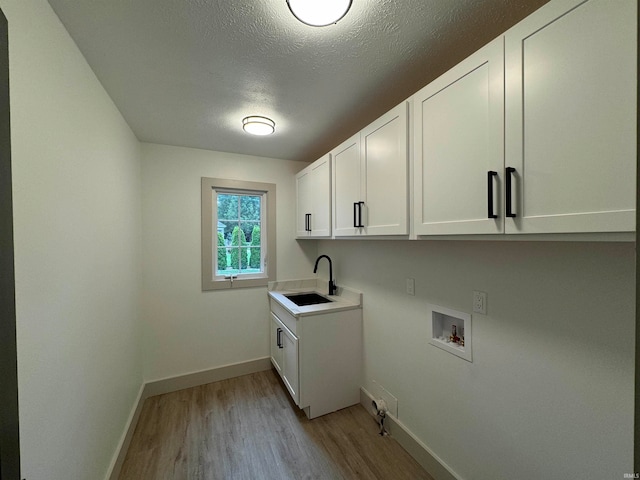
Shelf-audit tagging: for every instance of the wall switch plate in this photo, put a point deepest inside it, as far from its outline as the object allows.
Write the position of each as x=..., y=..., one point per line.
x=411, y=286
x=480, y=302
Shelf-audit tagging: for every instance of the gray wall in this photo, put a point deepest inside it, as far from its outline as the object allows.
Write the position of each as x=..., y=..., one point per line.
x=550, y=392
x=76, y=187
x=185, y=329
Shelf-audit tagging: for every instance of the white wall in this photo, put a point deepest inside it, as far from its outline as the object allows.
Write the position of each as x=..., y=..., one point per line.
x=550, y=392
x=76, y=186
x=185, y=329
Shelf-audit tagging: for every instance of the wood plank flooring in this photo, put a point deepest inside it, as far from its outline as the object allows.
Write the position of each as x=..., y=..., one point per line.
x=248, y=428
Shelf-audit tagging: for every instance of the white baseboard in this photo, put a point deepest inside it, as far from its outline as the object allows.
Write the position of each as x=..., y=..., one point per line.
x=173, y=384
x=412, y=444
x=180, y=382
x=125, y=440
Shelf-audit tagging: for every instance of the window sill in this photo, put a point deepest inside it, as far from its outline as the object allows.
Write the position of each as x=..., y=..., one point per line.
x=227, y=284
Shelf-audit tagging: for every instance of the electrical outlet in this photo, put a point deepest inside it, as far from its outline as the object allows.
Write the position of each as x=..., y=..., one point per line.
x=411, y=286
x=480, y=302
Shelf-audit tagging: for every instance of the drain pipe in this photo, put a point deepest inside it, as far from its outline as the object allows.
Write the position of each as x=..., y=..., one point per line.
x=380, y=409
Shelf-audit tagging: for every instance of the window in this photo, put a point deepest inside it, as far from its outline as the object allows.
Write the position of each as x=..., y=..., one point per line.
x=238, y=233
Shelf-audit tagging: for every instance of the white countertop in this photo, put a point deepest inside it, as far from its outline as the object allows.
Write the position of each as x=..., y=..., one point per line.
x=345, y=299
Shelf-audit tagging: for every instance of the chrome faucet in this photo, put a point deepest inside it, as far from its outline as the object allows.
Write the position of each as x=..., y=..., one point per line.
x=332, y=284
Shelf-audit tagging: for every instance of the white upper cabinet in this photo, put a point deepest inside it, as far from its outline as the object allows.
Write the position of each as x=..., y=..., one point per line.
x=320, y=220
x=384, y=151
x=556, y=94
x=370, y=176
x=313, y=197
x=459, y=147
x=571, y=86
x=303, y=202
x=345, y=160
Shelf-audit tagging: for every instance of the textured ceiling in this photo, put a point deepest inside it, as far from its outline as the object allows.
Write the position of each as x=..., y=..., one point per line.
x=185, y=72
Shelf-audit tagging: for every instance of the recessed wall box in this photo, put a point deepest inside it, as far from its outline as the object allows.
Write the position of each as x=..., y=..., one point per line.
x=451, y=331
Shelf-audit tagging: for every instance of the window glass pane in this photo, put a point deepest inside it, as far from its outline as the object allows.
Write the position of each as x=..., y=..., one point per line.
x=254, y=240
x=239, y=238
x=226, y=228
x=248, y=229
x=244, y=261
x=222, y=254
x=235, y=244
x=228, y=207
x=250, y=207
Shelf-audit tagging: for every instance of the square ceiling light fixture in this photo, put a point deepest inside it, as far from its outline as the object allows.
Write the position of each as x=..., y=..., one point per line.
x=319, y=13
x=256, y=125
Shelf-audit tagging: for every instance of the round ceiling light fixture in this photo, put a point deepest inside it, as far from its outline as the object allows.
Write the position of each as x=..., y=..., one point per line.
x=319, y=13
x=256, y=125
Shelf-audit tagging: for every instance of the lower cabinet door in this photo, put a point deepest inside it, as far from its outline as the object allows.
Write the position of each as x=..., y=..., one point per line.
x=290, y=363
x=276, y=343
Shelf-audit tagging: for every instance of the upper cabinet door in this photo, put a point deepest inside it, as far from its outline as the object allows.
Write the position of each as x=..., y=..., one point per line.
x=571, y=80
x=346, y=187
x=303, y=202
x=313, y=200
x=459, y=147
x=320, y=220
x=385, y=158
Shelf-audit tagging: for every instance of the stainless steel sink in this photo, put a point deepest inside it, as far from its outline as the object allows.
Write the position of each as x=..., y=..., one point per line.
x=304, y=299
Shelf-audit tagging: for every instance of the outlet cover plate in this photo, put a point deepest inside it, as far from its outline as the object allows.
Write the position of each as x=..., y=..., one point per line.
x=411, y=286
x=480, y=302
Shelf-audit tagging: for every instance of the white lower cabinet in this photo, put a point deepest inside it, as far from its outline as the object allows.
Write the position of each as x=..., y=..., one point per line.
x=276, y=348
x=318, y=357
x=289, y=345
x=284, y=355
x=290, y=367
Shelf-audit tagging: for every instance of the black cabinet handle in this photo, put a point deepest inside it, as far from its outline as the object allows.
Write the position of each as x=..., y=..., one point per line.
x=490, y=212
x=307, y=222
x=509, y=209
x=360, y=225
x=279, y=337
x=355, y=213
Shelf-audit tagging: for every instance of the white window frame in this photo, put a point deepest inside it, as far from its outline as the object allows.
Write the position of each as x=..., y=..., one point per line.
x=210, y=187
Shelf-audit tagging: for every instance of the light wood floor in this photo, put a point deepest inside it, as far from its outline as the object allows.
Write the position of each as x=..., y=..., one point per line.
x=248, y=428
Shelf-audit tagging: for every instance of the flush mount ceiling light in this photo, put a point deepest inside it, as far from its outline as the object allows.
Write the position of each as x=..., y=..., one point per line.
x=256, y=125
x=319, y=13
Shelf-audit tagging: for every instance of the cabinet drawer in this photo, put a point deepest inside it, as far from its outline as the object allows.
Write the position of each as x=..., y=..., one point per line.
x=285, y=317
